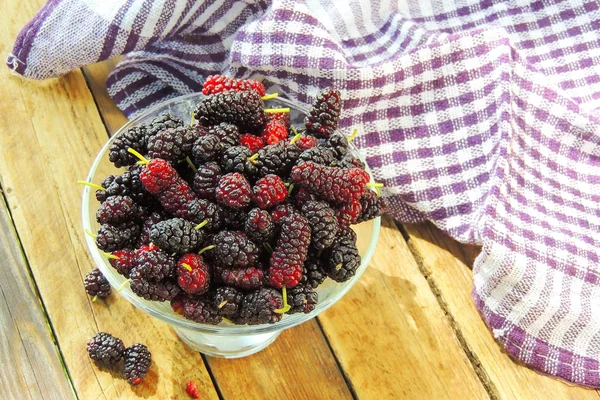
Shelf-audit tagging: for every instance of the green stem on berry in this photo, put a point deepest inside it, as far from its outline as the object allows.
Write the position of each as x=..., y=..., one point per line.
x=91, y=234
x=227, y=320
x=123, y=285
x=95, y=298
x=192, y=120
x=377, y=187
x=222, y=304
x=295, y=138
x=90, y=184
x=268, y=247
x=191, y=164
x=253, y=158
x=207, y=248
x=354, y=132
x=294, y=131
x=339, y=266
x=143, y=159
x=201, y=224
x=110, y=256
x=270, y=96
x=277, y=110
x=186, y=266
x=286, y=307
x=290, y=189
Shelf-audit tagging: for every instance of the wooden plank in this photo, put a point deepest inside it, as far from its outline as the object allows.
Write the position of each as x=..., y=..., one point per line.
x=298, y=365
x=30, y=363
x=443, y=262
x=288, y=366
x=51, y=132
x=392, y=338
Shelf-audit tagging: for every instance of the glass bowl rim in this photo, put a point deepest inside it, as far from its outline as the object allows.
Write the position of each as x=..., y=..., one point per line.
x=287, y=321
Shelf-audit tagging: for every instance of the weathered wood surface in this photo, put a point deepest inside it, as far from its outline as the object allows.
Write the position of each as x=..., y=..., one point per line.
x=51, y=131
x=448, y=268
x=391, y=336
x=30, y=366
x=298, y=365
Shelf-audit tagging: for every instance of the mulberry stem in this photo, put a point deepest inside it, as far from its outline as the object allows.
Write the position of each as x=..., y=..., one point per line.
x=110, y=256
x=354, y=132
x=91, y=234
x=268, y=248
x=377, y=187
x=123, y=285
x=276, y=110
x=270, y=96
x=201, y=224
x=286, y=307
x=207, y=248
x=191, y=164
x=222, y=304
x=143, y=160
x=295, y=138
x=90, y=184
x=192, y=120
x=253, y=158
x=186, y=266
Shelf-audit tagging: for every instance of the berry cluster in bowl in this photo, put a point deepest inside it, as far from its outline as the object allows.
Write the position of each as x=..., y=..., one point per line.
x=240, y=215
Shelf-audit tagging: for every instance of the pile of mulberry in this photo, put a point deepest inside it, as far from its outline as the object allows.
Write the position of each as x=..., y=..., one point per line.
x=237, y=217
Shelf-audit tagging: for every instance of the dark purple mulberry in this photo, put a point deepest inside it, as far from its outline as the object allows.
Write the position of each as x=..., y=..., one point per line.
x=234, y=250
x=206, y=180
x=105, y=349
x=96, y=284
x=136, y=363
x=323, y=223
x=227, y=300
x=244, y=109
x=260, y=307
x=302, y=299
x=324, y=114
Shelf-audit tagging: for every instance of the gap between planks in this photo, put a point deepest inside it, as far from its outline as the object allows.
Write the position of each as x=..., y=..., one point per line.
x=447, y=265
x=479, y=370
x=37, y=321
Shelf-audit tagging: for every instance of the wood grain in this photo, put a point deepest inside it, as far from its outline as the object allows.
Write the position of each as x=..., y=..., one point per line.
x=51, y=131
x=392, y=338
x=443, y=263
x=30, y=363
x=298, y=365
x=284, y=368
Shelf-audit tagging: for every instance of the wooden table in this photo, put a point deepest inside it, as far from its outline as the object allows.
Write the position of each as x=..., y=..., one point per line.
x=408, y=329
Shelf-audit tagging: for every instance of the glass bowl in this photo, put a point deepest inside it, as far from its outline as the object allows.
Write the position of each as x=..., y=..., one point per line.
x=223, y=340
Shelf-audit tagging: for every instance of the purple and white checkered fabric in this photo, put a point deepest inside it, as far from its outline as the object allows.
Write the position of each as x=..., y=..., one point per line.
x=482, y=117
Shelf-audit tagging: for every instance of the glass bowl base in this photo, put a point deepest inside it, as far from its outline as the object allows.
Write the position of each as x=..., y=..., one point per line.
x=226, y=346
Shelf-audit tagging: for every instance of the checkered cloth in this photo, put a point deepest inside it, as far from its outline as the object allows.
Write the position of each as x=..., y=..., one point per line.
x=481, y=117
